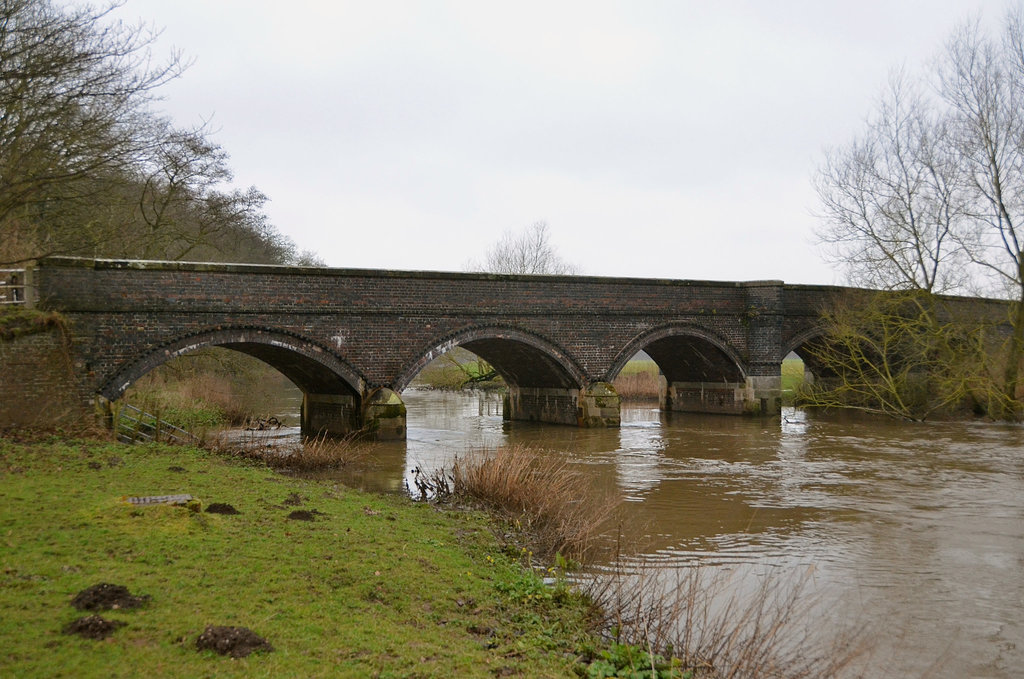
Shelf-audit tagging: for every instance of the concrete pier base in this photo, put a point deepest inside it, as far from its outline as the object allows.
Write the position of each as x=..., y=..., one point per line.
x=756, y=396
x=329, y=414
x=595, y=406
x=384, y=415
x=599, y=406
x=541, y=404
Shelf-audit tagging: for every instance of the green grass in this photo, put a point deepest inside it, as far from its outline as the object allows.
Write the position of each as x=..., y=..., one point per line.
x=792, y=378
x=637, y=367
x=375, y=586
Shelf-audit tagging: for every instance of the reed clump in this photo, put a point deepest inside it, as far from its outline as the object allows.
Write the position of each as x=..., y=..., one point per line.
x=719, y=628
x=533, y=491
x=639, y=386
x=312, y=454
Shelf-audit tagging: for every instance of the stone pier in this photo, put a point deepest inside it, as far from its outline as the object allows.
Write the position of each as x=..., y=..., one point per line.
x=756, y=396
x=595, y=406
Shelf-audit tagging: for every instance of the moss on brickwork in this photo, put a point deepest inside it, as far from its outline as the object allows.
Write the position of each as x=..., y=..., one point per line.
x=16, y=321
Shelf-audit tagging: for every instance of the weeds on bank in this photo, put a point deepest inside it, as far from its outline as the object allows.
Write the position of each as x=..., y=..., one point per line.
x=313, y=453
x=531, y=490
x=16, y=321
x=705, y=622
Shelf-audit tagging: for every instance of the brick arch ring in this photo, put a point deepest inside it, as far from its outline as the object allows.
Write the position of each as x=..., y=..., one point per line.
x=672, y=330
x=561, y=358
x=318, y=354
x=802, y=338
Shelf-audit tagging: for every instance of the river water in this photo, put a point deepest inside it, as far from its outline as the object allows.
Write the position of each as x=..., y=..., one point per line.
x=915, y=531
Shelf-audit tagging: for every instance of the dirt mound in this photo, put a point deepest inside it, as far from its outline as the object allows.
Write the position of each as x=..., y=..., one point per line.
x=237, y=642
x=92, y=627
x=294, y=500
x=106, y=597
x=301, y=515
x=221, y=508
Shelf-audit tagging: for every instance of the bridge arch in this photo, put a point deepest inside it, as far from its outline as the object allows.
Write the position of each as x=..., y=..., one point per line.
x=544, y=383
x=684, y=353
x=803, y=343
x=703, y=372
x=332, y=391
x=310, y=366
x=522, y=358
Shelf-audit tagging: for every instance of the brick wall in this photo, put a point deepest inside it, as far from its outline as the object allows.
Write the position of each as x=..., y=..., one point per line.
x=384, y=325
x=368, y=329
x=38, y=387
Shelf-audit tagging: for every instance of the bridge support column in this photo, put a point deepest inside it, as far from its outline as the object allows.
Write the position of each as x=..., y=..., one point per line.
x=595, y=406
x=384, y=415
x=330, y=414
x=758, y=395
x=600, y=406
x=541, y=404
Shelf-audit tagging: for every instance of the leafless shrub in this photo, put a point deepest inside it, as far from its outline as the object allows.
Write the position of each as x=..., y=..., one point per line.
x=556, y=506
x=721, y=629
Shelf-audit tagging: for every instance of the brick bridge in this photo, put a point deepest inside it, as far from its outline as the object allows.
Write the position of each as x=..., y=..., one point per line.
x=352, y=340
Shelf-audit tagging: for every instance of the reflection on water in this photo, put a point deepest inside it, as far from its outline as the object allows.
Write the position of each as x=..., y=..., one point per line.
x=917, y=530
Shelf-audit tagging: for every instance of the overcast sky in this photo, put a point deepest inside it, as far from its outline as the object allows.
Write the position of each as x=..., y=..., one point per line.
x=656, y=139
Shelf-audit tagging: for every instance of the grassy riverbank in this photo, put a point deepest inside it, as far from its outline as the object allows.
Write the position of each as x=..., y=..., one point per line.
x=372, y=586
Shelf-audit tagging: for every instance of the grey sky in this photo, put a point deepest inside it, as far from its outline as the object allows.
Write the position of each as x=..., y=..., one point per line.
x=657, y=139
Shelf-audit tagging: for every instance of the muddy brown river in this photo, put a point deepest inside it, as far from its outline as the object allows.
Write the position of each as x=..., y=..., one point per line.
x=915, y=531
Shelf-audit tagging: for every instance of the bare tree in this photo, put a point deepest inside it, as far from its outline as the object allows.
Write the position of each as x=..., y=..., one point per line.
x=981, y=80
x=527, y=252
x=74, y=96
x=88, y=167
x=893, y=205
x=931, y=196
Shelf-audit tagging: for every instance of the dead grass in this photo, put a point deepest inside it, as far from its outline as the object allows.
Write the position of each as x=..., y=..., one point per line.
x=232, y=385
x=639, y=386
x=313, y=453
x=722, y=629
x=539, y=493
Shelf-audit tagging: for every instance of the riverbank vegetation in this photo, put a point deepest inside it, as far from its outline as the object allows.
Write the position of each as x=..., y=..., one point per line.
x=640, y=381
x=310, y=455
x=16, y=321
x=926, y=200
x=213, y=388
x=908, y=355
x=337, y=582
x=340, y=583
x=554, y=506
x=723, y=628
x=459, y=369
